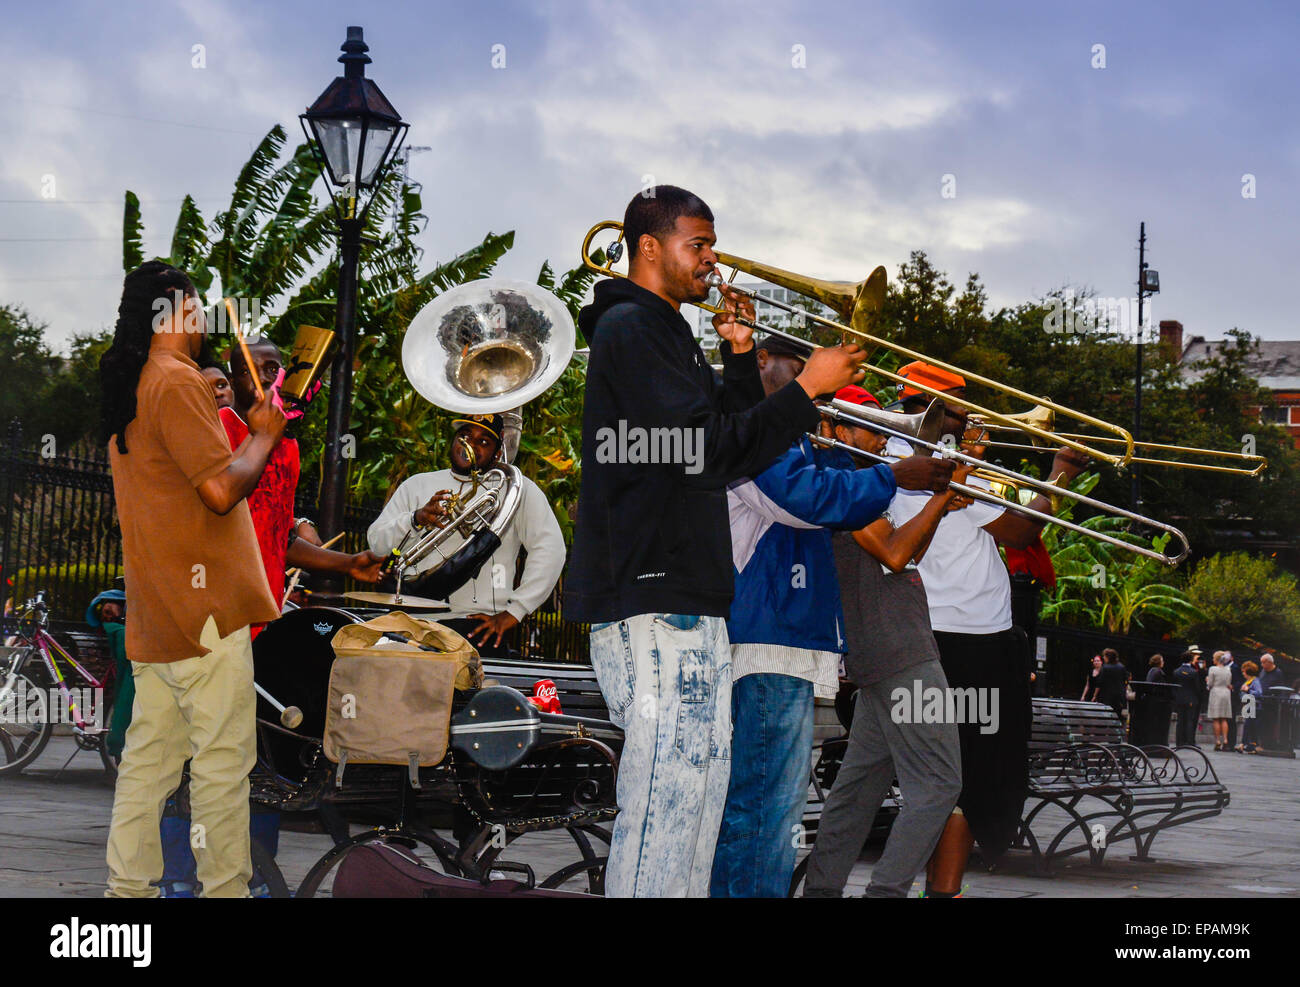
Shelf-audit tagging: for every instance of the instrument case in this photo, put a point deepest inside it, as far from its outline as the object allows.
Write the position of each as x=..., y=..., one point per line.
x=382, y=870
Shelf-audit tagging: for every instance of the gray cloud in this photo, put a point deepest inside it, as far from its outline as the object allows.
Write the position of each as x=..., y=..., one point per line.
x=830, y=168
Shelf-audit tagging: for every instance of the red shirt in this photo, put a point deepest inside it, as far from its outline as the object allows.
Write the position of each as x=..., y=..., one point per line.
x=271, y=502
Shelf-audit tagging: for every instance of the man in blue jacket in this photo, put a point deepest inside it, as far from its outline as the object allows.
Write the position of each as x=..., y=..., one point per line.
x=786, y=632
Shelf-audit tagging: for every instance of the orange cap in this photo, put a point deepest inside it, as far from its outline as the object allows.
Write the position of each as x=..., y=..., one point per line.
x=930, y=376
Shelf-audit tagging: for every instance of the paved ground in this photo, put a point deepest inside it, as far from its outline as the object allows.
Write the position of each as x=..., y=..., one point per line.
x=53, y=829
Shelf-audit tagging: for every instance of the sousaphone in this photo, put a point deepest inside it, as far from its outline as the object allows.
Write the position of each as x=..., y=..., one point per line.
x=482, y=348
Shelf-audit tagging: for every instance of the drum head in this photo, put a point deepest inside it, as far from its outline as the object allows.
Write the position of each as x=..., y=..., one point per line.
x=291, y=660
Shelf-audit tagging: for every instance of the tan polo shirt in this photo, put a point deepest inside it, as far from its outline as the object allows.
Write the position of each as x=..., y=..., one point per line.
x=182, y=560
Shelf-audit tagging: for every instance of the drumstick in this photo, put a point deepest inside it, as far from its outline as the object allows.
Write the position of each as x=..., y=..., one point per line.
x=290, y=716
x=296, y=572
x=243, y=348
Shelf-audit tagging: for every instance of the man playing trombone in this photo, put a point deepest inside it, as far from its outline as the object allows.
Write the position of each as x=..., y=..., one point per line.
x=652, y=569
x=890, y=650
x=786, y=631
x=969, y=596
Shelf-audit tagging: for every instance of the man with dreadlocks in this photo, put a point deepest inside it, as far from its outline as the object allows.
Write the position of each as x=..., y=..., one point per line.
x=195, y=583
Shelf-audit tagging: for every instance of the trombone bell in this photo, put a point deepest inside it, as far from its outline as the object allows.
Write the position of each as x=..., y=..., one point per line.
x=858, y=304
x=925, y=426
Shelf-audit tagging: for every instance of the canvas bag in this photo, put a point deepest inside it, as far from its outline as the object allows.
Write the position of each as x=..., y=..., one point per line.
x=390, y=701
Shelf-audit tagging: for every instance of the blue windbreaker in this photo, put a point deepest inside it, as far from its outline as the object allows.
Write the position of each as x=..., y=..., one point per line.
x=786, y=589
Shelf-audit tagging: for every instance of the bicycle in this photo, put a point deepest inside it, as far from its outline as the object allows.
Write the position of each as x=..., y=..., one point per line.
x=37, y=679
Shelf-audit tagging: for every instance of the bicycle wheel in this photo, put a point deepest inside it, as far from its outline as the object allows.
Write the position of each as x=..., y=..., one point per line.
x=25, y=726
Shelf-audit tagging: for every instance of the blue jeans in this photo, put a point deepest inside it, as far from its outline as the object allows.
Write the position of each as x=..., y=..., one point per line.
x=666, y=679
x=771, y=757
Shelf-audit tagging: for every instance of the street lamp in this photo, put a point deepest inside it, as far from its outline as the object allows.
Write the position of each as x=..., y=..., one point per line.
x=353, y=132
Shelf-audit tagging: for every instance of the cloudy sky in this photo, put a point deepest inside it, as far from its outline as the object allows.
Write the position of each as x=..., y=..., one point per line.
x=820, y=133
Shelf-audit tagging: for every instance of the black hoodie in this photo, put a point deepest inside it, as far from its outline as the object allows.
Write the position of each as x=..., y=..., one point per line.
x=653, y=536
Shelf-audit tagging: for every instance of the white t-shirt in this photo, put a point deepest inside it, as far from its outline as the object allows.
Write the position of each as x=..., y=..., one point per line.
x=966, y=581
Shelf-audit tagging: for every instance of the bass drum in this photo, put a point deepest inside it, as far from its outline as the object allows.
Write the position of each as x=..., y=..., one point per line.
x=291, y=661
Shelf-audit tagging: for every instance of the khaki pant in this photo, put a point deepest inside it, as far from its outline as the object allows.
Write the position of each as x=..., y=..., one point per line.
x=202, y=710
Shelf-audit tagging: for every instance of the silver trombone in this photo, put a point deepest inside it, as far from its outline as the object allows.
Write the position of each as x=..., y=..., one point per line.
x=922, y=430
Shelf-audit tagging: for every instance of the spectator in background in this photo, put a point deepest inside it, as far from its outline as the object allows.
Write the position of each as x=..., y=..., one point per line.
x=1112, y=682
x=1249, y=686
x=1219, y=682
x=220, y=383
x=1187, y=677
x=108, y=612
x=1269, y=675
x=1156, y=669
x=1090, y=683
x=1234, y=695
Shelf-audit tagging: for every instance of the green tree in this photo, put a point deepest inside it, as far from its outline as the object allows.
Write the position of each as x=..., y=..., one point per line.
x=1092, y=372
x=28, y=365
x=1239, y=594
x=70, y=399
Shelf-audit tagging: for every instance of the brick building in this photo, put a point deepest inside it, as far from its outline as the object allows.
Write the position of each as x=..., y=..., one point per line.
x=1276, y=366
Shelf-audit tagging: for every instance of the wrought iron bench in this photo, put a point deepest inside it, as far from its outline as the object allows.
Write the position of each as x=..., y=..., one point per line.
x=1079, y=762
x=1110, y=790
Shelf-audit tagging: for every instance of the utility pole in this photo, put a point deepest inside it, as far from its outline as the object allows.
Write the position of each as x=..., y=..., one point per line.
x=404, y=162
x=1148, y=284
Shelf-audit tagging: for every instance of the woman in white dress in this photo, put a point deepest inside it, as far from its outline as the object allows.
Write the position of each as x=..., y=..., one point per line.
x=1219, y=681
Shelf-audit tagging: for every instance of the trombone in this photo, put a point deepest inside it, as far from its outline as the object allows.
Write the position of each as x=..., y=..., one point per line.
x=860, y=304
x=1044, y=419
x=921, y=430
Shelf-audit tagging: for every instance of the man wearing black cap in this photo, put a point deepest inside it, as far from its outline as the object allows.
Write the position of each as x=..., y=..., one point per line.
x=485, y=608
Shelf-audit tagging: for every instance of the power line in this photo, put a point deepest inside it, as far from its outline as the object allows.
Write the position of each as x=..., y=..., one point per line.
x=95, y=202
x=113, y=277
x=132, y=116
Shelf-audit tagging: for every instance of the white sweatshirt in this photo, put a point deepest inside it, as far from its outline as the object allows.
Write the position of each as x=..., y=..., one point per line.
x=534, y=527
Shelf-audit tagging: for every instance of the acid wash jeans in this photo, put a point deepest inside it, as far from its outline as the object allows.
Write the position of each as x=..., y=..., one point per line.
x=666, y=679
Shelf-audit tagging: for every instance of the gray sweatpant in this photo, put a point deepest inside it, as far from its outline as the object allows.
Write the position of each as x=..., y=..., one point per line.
x=926, y=759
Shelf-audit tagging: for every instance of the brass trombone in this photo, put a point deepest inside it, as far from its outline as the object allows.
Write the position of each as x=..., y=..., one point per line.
x=920, y=431
x=1044, y=419
x=859, y=304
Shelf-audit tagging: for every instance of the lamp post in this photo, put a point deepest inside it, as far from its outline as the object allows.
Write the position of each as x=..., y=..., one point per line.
x=353, y=132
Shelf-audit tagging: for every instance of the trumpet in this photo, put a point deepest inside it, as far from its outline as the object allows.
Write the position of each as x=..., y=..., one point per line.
x=919, y=432
x=1044, y=419
x=860, y=305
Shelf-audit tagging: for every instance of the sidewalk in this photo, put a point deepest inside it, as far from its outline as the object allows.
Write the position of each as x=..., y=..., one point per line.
x=53, y=831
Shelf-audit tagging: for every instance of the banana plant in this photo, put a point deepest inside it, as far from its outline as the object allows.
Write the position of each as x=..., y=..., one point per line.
x=1101, y=585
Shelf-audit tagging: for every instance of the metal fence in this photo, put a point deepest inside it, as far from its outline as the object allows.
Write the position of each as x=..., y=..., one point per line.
x=59, y=528
x=59, y=533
